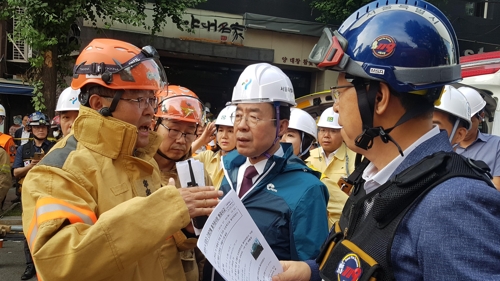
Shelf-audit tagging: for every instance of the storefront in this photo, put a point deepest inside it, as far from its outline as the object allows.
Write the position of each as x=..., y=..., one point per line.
x=16, y=99
x=210, y=59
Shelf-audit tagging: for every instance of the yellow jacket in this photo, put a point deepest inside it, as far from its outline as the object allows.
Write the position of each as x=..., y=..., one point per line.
x=86, y=214
x=185, y=258
x=5, y=175
x=330, y=176
x=211, y=162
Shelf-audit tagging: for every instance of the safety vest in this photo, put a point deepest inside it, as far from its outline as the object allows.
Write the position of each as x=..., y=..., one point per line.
x=7, y=142
x=359, y=246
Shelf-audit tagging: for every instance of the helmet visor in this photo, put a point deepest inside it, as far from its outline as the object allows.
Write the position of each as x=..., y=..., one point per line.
x=329, y=51
x=144, y=69
x=182, y=108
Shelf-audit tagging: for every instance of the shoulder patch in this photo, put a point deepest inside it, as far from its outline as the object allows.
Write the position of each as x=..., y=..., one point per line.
x=58, y=156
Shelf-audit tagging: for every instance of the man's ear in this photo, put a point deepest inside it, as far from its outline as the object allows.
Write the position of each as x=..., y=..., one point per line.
x=382, y=99
x=459, y=135
x=283, y=127
x=96, y=102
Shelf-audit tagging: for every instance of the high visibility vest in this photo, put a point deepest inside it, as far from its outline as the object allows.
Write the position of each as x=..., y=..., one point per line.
x=7, y=142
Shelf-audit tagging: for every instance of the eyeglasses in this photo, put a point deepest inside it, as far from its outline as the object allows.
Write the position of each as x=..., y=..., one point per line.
x=175, y=134
x=143, y=102
x=335, y=92
x=250, y=120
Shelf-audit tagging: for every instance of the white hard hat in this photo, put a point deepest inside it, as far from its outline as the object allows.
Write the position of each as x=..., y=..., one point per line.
x=329, y=119
x=302, y=121
x=474, y=98
x=262, y=82
x=455, y=103
x=224, y=117
x=68, y=100
x=2, y=110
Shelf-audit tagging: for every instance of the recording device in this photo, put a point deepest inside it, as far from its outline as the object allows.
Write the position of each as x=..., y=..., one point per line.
x=38, y=156
x=200, y=221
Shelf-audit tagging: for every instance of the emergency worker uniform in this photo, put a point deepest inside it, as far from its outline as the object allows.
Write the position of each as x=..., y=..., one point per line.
x=414, y=246
x=213, y=167
x=427, y=213
x=287, y=192
x=5, y=175
x=7, y=142
x=341, y=165
x=86, y=216
x=184, y=249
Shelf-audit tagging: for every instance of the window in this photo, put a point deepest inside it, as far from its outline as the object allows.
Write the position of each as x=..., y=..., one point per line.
x=477, y=9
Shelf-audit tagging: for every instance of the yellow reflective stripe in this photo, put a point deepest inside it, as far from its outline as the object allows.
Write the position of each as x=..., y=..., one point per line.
x=5, y=168
x=51, y=208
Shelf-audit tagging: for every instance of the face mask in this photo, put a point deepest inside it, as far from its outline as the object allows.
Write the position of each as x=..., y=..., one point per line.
x=55, y=133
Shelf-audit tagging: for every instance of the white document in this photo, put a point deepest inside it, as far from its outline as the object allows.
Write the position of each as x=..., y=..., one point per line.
x=184, y=172
x=191, y=173
x=234, y=245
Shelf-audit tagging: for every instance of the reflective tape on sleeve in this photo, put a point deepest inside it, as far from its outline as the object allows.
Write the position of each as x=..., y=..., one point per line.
x=51, y=208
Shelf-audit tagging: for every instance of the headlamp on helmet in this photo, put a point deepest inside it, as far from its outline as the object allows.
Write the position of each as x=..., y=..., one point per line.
x=38, y=119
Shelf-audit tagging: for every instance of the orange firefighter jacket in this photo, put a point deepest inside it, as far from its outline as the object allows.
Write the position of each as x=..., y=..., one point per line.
x=7, y=142
x=85, y=214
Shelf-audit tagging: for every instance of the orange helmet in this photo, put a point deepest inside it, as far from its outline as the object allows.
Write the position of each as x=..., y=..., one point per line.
x=120, y=65
x=180, y=103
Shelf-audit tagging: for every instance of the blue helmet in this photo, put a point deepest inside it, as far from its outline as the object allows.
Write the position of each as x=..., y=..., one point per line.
x=38, y=118
x=410, y=45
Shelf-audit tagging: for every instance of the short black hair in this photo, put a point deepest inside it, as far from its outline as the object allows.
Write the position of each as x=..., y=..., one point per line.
x=452, y=118
x=284, y=113
x=409, y=101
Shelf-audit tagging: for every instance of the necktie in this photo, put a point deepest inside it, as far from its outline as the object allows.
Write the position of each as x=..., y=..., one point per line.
x=247, y=183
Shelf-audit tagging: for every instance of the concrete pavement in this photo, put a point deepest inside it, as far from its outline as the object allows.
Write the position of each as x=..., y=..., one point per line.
x=12, y=261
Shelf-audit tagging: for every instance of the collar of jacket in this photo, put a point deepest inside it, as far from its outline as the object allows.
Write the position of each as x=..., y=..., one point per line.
x=435, y=144
x=317, y=153
x=109, y=136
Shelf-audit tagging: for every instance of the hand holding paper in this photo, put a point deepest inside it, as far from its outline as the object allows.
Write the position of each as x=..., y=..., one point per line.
x=233, y=244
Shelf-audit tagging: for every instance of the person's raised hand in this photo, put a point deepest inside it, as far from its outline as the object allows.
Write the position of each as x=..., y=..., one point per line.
x=200, y=200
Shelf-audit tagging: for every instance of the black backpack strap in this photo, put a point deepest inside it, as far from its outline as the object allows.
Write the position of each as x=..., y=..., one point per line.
x=354, y=179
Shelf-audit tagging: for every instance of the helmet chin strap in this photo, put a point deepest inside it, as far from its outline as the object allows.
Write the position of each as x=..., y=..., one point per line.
x=301, y=153
x=454, y=130
x=366, y=105
x=165, y=156
x=266, y=153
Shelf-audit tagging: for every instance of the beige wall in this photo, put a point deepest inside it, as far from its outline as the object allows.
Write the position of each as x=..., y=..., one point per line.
x=289, y=49
x=323, y=80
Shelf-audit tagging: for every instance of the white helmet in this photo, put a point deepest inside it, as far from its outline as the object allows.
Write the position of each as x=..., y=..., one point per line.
x=474, y=98
x=262, y=82
x=68, y=100
x=224, y=117
x=2, y=110
x=302, y=121
x=455, y=103
x=329, y=119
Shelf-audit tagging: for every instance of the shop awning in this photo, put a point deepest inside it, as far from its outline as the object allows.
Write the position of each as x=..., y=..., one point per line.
x=15, y=88
x=256, y=21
